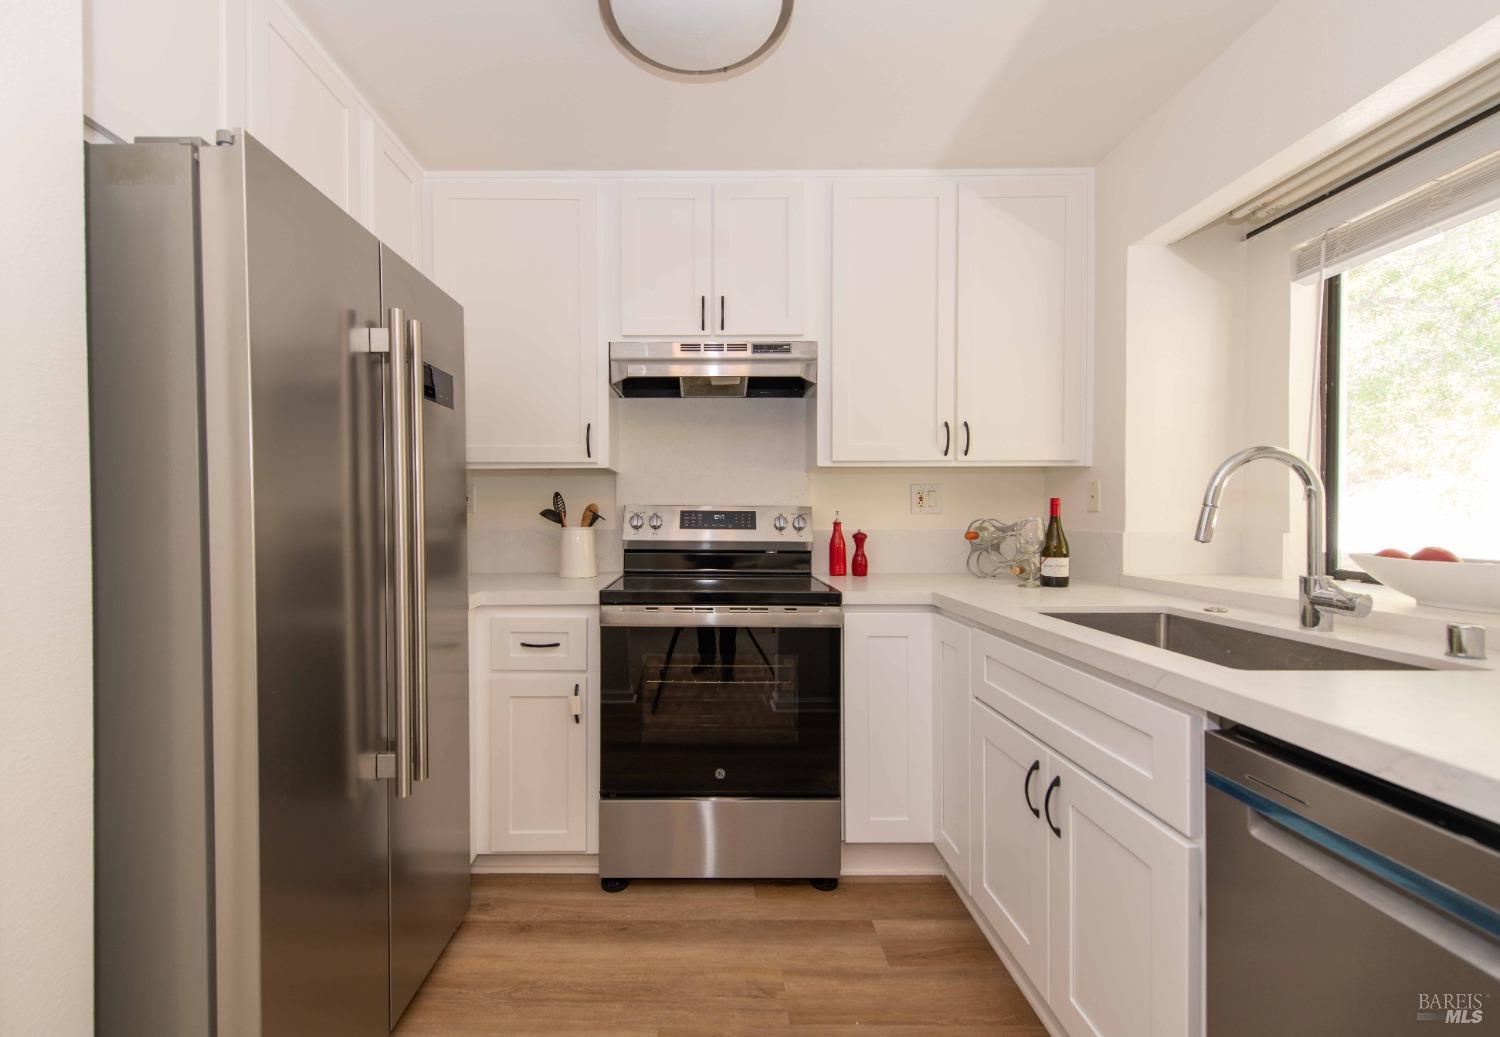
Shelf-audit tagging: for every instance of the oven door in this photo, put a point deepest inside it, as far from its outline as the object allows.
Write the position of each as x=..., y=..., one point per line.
x=735, y=701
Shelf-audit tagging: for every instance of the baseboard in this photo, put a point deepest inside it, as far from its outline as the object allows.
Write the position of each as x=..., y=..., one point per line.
x=858, y=859
x=535, y=864
x=1033, y=996
x=891, y=859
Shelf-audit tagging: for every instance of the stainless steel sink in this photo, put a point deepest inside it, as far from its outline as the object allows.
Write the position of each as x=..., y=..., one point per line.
x=1226, y=645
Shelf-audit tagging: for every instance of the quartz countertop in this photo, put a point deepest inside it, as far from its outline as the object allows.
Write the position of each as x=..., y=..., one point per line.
x=1434, y=732
x=536, y=589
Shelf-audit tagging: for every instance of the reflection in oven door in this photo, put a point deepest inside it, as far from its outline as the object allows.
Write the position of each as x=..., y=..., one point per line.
x=720, y=711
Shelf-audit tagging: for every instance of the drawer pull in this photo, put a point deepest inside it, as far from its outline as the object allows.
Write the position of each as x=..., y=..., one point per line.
x=1036, y=765
x=533, y=644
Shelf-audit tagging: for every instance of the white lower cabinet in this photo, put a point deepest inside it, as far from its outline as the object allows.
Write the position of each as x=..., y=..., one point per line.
x=888, y=727
x=1124, y=924
x=534, y=730
x=1009, y=873
x=950, y=727
x=538, y=763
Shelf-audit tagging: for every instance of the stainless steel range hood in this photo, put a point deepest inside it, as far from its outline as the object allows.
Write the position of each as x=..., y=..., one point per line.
x=727, y=370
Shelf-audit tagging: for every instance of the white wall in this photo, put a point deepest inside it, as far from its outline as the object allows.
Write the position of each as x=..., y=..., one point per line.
x=46, y=682
x=154, y=67
x=1306, y=78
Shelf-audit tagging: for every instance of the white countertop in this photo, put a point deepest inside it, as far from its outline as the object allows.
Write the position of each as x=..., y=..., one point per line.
x=535, y=589
x=1435, y=732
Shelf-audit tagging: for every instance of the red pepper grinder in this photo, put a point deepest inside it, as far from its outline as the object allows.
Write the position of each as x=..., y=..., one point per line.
x=861, y=560
x=836, y=562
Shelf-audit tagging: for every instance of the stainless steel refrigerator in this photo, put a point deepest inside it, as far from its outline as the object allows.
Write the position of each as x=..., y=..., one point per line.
x=282, y=777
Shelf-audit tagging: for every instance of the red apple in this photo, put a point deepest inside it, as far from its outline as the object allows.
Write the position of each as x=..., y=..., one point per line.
x=1435, y=554
x=1392, y=552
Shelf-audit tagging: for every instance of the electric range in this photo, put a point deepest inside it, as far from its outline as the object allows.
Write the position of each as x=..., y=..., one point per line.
x=720, y=724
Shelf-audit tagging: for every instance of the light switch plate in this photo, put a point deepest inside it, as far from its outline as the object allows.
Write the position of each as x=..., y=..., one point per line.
x=1096, y=495
x=469, y=498
x=926, y=499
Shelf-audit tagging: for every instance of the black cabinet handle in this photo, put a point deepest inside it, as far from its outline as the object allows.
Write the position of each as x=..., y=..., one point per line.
x=588, y=440
x=947, y=437
x=1036, y=765
x=579, y=711
x=966, y=439
x=721, y=313
x=1047, y=805
x=702, y=313
x=549, y=644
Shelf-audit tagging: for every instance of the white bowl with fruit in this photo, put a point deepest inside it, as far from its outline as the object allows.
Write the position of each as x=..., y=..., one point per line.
x=1437, y=577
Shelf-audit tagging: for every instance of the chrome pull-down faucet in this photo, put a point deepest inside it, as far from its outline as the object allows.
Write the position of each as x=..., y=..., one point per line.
x=1320, y=596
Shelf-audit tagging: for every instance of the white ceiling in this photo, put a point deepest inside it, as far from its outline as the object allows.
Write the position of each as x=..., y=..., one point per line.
x=538, y=84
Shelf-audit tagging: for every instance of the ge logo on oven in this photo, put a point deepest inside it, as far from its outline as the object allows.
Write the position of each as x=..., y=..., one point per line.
x=719, y=773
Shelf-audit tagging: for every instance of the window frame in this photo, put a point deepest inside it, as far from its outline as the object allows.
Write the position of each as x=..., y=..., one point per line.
x=1333, y=310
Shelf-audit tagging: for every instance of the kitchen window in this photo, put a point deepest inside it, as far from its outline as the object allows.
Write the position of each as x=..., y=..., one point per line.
x=1411, y=397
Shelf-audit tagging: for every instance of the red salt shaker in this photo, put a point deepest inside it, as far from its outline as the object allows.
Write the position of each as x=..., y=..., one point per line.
x=836, y=562
x=861, y=566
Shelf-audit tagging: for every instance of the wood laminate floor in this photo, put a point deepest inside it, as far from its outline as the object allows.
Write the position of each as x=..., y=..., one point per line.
x=554, y=955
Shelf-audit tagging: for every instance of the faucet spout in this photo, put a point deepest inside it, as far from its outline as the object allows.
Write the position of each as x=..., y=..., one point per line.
x=1320, y=595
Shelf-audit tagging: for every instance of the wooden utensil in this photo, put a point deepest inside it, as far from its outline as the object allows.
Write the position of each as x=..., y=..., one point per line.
x=590, y=515
x=561, y=507
x=551, y=516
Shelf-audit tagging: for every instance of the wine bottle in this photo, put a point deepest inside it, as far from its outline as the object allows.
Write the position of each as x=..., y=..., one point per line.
x=1055, y=550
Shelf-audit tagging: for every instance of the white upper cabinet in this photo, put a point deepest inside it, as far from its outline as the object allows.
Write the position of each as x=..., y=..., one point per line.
x=302, y=107
x=666, y=257
x=522, y=257
x=760, y=258
x=892, y=321
x=395, y=194
x=1022, y=319
x=713, y=259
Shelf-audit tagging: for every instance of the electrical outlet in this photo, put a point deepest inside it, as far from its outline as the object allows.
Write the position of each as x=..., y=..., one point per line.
x=1096, y=495
x=926, y=499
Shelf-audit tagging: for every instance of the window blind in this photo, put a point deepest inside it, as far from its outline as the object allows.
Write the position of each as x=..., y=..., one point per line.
x=1452, y=198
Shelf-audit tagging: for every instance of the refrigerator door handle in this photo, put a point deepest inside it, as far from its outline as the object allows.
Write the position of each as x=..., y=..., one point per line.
x=417, y=373
x=398, y=444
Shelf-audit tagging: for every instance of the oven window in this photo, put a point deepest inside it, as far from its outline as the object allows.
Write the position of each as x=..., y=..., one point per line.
x=720, y=711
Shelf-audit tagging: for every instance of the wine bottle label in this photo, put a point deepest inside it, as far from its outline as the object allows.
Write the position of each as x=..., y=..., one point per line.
x=1055, y=567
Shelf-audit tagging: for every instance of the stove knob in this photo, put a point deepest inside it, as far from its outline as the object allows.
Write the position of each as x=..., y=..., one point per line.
x=799, y=523
x=655, y=520
x=780, y=523
x=637, y=520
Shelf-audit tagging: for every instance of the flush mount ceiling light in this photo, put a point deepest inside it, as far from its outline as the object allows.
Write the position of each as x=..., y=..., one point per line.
x=696, y=37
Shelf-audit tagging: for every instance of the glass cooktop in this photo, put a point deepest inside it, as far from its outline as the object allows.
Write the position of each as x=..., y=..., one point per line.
x=708, y=589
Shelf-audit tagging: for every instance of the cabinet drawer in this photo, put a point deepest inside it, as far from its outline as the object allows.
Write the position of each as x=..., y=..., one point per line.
x=1145, y=749
x=539, y=643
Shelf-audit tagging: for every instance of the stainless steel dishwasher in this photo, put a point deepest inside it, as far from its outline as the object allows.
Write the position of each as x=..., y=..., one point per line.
x=1338, y=904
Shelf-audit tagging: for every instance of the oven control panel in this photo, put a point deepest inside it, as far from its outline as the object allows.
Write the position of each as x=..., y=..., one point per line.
x=704, y=523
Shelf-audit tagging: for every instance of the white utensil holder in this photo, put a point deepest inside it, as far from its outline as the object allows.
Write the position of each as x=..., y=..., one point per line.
x=578, y=559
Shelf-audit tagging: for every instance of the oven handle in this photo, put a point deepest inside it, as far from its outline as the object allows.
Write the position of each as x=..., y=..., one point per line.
x=721, y=616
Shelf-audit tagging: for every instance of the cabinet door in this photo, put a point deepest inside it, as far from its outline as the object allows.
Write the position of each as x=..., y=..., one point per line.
x=395, y=193
x=950, y=723
x=1124, y=927
x=892, y=321
x=888, y=727
x=538, y=763
x=1023, y=319
x=1008, y=872
x=666, y=254
x=522, y=258
x=760, y=258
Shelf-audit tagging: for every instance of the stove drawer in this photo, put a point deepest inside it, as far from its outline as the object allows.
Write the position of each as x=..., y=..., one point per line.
x=538, y=642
